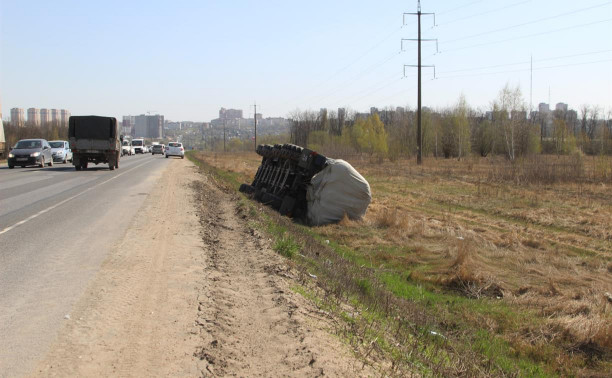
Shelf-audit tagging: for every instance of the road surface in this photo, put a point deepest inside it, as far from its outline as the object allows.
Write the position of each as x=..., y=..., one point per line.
x=57, y=226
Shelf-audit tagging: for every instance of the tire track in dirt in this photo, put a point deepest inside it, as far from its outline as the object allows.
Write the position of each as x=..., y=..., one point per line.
x=252, y=323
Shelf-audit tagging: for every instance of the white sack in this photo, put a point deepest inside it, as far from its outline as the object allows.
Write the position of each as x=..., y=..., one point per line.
x=336, y=190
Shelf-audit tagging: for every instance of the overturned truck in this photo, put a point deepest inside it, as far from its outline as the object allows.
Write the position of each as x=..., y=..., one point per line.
x=303, y=184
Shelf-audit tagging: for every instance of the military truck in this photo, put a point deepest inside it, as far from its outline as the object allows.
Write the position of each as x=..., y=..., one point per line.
x=94, y=139
x=303, y=184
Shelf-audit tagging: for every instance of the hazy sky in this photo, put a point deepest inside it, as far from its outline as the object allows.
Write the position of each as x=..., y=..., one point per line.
x=186, y=59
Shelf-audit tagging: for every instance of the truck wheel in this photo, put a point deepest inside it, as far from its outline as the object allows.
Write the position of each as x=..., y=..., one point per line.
x=77, y=167
x=11, y=166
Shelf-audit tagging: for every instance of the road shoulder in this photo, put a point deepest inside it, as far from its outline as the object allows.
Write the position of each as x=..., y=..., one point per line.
x=137, y=316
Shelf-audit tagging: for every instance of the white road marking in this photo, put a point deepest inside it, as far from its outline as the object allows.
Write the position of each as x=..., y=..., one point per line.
x=68, y=199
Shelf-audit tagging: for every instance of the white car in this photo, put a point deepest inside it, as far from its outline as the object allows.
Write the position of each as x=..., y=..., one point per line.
x=60, y=150
x=127, y=149
x=175, y=149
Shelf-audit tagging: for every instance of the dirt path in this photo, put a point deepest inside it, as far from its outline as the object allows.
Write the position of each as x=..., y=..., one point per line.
x=190, y=290
x=253, y=324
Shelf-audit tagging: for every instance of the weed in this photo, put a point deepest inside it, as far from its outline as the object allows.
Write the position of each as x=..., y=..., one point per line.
x=286, y=246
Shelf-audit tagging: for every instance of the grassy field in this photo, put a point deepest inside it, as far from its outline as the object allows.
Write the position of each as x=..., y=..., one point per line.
x=513, y=272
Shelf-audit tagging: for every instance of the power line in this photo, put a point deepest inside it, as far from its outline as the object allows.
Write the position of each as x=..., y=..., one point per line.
x=484, y=13
x=529, y=22
x=528, y=61
x=526, y=69
x=528, y=35
x=353, y=61
x=353, y=79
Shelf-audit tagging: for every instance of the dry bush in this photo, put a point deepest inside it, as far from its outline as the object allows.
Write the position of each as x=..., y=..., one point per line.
x=391, y=218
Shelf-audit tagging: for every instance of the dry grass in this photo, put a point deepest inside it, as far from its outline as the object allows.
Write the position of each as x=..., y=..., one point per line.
x=542, y=246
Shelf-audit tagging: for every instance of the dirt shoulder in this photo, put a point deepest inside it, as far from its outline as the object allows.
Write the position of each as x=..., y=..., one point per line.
x=191, y=290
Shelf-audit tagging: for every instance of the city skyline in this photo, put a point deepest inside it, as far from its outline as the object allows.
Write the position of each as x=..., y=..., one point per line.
x=307, y=56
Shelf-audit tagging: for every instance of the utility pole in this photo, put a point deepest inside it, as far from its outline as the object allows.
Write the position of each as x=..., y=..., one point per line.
x=224, y=135
x=531, y=85
x=255, y=117
x=419, y=129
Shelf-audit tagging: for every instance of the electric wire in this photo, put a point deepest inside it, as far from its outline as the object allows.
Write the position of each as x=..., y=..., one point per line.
x=529, y=22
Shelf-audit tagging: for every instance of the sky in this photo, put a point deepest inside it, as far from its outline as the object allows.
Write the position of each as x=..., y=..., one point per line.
x=185, y=59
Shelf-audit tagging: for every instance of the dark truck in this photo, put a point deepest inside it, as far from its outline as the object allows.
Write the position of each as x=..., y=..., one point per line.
x=94, y=139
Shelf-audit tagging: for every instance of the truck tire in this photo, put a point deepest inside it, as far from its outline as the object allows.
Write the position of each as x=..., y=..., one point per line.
x=11, y=166
x=77, y=167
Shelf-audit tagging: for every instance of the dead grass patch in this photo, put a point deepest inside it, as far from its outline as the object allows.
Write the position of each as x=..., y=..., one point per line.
x=544, y=246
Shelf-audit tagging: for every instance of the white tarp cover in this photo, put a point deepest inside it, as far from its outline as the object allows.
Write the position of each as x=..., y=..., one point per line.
x=337, y=190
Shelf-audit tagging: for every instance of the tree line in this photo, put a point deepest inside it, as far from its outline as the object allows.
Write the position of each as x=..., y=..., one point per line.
x=49, y=131
x=458, y=131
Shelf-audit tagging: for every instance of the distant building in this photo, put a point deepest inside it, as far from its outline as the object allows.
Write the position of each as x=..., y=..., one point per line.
x=543, y=108
x=45, y=116
x=34, y=116
x=561, y=107
x=230, y=113
x=173, y=125
x=127, y=125
x=17, y=116
x=149, y=126
x=342, y=113
x=64, y=116
x=56, y=116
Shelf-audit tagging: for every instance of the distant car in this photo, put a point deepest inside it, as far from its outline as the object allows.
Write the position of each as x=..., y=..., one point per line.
x=126, y=148
x=157, y=149
x=175, y=149
x=60, y=150
x=30, y=152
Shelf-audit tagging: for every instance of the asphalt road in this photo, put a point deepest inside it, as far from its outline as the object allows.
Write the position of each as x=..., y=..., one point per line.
x=57, y=226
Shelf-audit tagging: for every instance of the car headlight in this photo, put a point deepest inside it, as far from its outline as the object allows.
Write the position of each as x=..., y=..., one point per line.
x=35, y=154
x=11, y=155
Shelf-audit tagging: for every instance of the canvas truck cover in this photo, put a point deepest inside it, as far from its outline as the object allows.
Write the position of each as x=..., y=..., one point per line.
x=336, y=190
x=92, y=127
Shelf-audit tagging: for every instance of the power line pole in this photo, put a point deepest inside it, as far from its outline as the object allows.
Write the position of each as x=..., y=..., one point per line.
x=224, y=135
x=419, y=129
x=531, y=85
x=255, y=117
